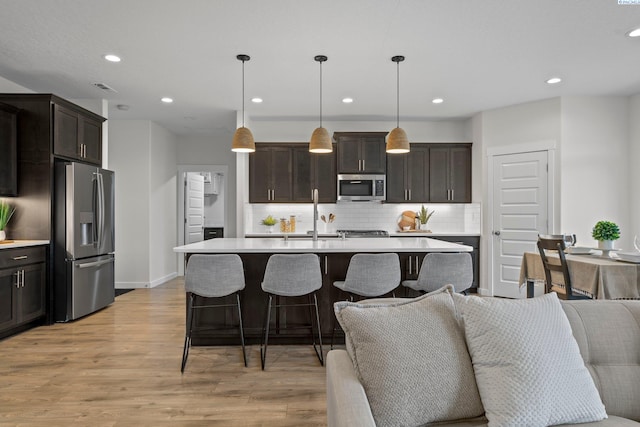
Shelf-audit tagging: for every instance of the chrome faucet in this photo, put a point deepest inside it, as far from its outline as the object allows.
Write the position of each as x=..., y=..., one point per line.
x=315, y=214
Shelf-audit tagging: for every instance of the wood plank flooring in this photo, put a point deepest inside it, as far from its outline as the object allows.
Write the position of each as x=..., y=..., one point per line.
x=121, y=367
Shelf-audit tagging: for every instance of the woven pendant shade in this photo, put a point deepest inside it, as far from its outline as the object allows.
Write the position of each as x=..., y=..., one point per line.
x=320, y=141
x=243, y=141
x=397, y=141
x=243, y=138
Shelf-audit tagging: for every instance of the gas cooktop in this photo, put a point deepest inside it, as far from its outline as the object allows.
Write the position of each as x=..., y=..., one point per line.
x=364, y=233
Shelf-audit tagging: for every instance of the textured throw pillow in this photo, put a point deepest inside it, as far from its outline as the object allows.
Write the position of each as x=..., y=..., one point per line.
x=411, y=359
x=527, y=363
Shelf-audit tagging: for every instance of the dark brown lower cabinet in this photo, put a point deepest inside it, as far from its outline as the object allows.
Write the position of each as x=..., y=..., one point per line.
x=219, y=326
x=22, y=289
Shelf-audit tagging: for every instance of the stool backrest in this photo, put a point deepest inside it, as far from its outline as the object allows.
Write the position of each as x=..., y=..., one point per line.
x=372, y=275
x=440, y=269
x=214, y=275
x=292, y=275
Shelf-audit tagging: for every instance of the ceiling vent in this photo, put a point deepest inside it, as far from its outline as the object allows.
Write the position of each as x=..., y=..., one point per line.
x=105, y=87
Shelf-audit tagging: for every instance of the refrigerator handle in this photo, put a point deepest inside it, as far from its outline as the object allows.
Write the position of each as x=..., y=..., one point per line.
x=100, y=210
x=96, y=220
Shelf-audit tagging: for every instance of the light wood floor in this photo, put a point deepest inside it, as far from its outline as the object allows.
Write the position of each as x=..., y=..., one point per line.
x=121, y=367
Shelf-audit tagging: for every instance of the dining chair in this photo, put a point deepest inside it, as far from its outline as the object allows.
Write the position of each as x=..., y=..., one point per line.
x=556, y=270
x=440, y=269
x=208, y=277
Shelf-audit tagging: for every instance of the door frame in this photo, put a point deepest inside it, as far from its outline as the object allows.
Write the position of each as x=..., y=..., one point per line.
x=553, y=196
x=181, y=173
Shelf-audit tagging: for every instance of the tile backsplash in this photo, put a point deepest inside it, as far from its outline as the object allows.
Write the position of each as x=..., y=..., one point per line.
x=448, y=218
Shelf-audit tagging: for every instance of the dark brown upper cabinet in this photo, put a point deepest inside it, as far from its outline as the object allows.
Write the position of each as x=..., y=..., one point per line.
x=287, y=173
x=361, y=152
x=76, y=135
x=450, y=173
x=408, y=175
x=8, y=150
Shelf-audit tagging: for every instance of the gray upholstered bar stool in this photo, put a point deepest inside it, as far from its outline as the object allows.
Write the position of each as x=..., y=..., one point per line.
x=294, y=275
x=440, y=269
x=369, y=276
x=212, y=276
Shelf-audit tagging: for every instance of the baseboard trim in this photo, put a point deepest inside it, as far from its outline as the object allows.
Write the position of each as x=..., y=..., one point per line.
x=143, y=285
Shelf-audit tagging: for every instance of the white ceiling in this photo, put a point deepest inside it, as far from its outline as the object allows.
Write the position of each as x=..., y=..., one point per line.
x=477, y=55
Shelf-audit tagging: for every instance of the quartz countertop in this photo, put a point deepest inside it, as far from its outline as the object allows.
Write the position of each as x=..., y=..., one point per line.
x=391, y=234
x=322, y=245
x=21, y=243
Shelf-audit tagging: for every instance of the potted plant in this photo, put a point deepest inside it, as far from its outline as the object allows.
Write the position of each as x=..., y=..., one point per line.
x=424, y=215
x=6, y=211
x=605, y=232
x=269, y=222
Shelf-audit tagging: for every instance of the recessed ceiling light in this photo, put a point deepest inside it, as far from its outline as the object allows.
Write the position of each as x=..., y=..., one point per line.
x=437, y=100
x=256, y=100
x=634, y=33
x=112, y=58
x=554, y=80
x=347, y=100
x=167, y=100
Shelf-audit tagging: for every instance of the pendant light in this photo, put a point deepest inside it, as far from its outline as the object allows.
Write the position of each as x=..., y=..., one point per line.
x=243, y=139
x=397, y=141
x=320, y=140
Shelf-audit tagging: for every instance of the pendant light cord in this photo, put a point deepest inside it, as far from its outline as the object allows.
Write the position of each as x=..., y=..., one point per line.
x=320, y=93
x=398, y=94
x=243, y=93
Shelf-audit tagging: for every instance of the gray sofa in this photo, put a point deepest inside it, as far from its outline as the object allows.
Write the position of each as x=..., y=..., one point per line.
x=608, y=337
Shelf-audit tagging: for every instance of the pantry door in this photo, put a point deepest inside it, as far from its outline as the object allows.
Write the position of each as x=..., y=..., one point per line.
x=520, y=212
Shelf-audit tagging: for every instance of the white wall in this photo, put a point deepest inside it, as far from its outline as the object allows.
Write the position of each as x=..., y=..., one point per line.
x=143, y=156
x=162, y=205
x=520, y=124
x=214, y=150
x=129, y=159
x=634, y=166
x=594, y=166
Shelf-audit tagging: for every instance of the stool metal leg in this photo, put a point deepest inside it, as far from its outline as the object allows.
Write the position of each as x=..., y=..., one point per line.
x=320, y=354
x=187, y=335
x=244, y=353
x=265, y=335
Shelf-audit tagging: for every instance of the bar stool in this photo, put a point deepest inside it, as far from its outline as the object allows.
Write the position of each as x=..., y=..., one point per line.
x=369, y=276
x=292, y=276
x=212, y=276
x=439, y=269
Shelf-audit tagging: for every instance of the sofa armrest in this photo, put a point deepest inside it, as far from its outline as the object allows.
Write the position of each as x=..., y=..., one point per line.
x=347, y=403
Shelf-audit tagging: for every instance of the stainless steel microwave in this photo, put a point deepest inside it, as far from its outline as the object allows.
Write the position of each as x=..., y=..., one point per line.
x=362, y=188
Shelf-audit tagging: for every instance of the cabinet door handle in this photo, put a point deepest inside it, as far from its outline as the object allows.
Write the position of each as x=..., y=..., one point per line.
x=417, y=264
x=452, y=194
x=363, y=166
x=409, y=194
x=18, y=258
x=22, y=278
x=410, y=269
x=326, y=265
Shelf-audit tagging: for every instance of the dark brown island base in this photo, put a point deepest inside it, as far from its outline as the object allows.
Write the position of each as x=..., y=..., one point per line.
x=334, y=257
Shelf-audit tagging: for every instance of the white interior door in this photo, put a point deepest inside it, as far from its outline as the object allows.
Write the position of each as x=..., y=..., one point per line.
x=520, y=213
x=194, y=208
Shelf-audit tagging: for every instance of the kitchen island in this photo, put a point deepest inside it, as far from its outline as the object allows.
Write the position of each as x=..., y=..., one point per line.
x=334, y=254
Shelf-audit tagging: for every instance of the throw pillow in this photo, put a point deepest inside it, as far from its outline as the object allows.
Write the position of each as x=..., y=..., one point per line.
x=527, y=363
x=411, y=359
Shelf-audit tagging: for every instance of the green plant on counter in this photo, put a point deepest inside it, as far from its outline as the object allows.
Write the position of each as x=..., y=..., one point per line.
x=6, y=211
x=605, y=230
x=269, y=221
x=424, y=215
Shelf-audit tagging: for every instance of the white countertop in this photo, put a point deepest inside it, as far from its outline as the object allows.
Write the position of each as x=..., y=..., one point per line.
x=391, y=234
x=22, y=243
x=300, y=245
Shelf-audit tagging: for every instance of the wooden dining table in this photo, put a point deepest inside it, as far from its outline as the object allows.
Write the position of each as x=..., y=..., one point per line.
x=592, y=275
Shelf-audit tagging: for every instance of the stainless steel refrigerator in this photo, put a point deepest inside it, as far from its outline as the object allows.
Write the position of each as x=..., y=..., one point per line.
x=83, y=240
